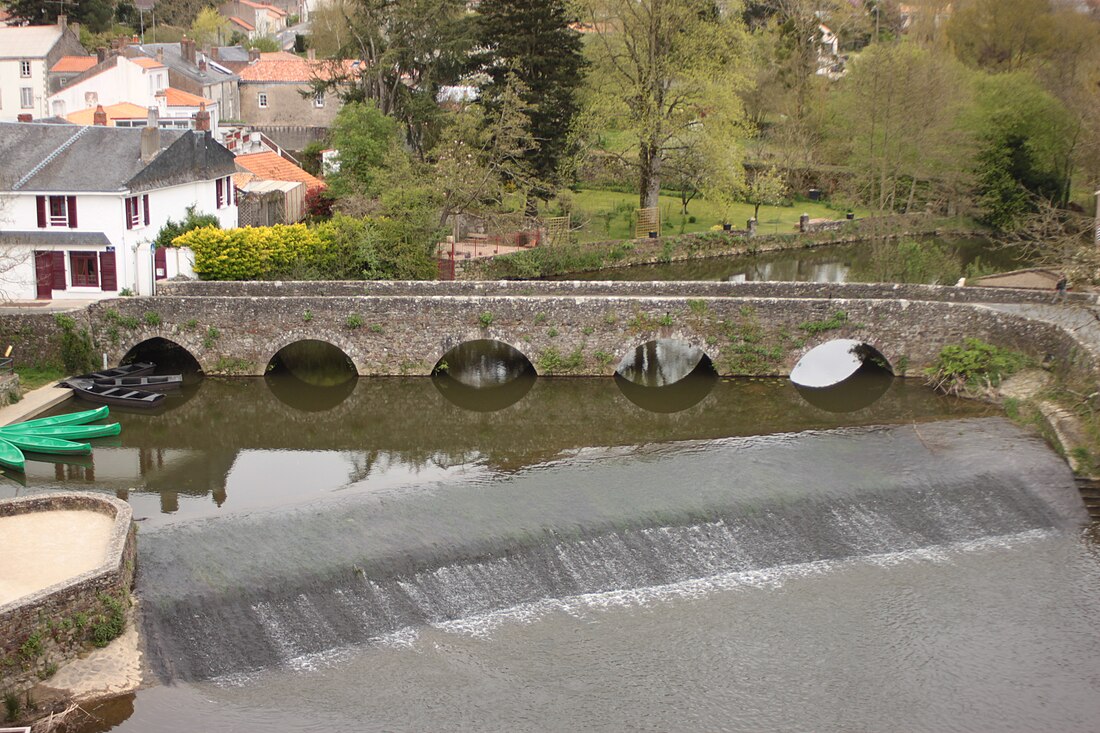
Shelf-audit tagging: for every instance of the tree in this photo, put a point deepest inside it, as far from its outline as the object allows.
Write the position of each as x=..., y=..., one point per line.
x=363, y=136
x=1021, y=132
x=96, y=15
x=766, y=186
x=662, y=67
x=209, y=28
x=1000, y=35
x=407, y=50
x=896, y=119
x=531, y=41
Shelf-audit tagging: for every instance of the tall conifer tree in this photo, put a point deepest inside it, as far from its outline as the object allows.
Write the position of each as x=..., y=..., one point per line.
x=532, y=41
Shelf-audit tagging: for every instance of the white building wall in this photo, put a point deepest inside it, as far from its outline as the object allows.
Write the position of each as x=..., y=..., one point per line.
x=125, y=82
x=106, y=213
x=10, y=84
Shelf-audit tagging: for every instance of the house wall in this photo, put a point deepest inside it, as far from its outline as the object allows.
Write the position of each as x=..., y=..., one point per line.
x=224, y=92
x=11, y=81
x=106, y=213
x=125, y=82
x=285, y=105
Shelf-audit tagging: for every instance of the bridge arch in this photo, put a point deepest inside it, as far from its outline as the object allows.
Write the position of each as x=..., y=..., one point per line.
x=337, y=339
x=483, y=375
x=167, y=351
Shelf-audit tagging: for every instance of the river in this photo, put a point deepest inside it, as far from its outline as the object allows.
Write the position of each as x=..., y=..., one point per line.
x=377, y=557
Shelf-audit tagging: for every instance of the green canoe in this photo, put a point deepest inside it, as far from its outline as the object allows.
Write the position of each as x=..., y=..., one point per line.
x=11, y=456
x=71, y=418
x=45, y=445
x=67, y=432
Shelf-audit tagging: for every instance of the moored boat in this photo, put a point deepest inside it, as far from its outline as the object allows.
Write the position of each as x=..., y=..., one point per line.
x=11, y=457
x=44, y=444
x=72, y=418
x=137, y=369
x=121, y=396
x=66, y=432
x=150, y=383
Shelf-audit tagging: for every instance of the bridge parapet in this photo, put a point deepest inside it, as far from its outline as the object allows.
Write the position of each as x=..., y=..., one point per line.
x=686, y=289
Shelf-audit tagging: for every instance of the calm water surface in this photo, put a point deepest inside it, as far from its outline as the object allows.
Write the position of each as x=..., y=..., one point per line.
x=377, y=557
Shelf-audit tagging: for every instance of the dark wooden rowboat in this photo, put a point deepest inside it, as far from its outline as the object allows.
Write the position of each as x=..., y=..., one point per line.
x=137, y=369
x=121, y=396
x=150, y=383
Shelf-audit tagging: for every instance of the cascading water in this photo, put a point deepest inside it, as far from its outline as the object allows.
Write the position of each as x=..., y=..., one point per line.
x=240, y=595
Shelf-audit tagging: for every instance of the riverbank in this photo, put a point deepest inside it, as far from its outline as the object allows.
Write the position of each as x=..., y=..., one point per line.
x=558, y=260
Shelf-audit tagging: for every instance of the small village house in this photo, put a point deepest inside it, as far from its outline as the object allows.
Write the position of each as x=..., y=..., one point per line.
x=26, y=55
x=79, y=214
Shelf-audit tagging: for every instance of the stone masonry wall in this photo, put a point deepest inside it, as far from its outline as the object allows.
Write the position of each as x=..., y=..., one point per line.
x=42, y=631
x=567, y=328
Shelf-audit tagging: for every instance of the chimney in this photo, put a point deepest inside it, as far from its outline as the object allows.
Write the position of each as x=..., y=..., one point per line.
x=202, y=64
x=62, y=22
x=100, y=55
x=187, y=50
x=150, y=137
x=253, y=55
x=160, y=54
x=24, y=118
x=202, y=118
x=311, y=54
x=99, y=117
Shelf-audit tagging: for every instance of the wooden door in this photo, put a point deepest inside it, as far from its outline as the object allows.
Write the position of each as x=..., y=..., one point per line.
x=43, y=273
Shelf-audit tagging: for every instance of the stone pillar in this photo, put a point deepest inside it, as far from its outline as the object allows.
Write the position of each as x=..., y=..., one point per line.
x=751, y=226
x=804, y=223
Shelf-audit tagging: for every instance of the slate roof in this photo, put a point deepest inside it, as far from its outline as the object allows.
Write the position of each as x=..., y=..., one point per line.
x=232, y=54
x=273, y=167
x=72, y=158
x=32, y=41
x=214, y=73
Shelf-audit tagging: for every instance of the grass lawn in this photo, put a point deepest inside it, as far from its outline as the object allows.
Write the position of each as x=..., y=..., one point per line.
x=33, y=377
x=610, y=215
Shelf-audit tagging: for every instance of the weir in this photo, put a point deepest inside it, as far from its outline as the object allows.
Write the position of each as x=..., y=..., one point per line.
x=241, y=595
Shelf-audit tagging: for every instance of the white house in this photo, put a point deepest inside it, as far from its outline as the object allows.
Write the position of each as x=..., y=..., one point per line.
x=26, y=55
x=83, y=205
x=141, y=81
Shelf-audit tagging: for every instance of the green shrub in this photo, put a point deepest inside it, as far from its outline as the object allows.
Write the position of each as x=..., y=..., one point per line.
x=77, y=352
x=973, y=365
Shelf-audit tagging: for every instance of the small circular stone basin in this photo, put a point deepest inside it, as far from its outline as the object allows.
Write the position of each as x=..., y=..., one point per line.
x=48, y=547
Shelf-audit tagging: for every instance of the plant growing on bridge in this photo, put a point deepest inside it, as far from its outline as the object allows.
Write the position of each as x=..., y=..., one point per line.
x=152, y=318
x=77, y=353
x=210, y=338
x=485, y=319
x=551, y=361
x=838, y=320
x=307, y=316
x=354, y=321
x=973, y=367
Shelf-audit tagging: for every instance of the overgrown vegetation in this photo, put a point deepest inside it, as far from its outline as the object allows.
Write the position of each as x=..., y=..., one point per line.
x=77, y=353
x=973, y=368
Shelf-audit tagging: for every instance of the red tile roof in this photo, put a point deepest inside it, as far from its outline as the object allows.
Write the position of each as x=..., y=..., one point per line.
x=122, y=111
x=263, y=6
x=179, y=98
x=286, y=67
x=73, y=64
x=147, y=63
x=241, y=23
x=273, y=167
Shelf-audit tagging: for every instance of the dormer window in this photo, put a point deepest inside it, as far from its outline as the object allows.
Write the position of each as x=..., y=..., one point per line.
x=25, y=69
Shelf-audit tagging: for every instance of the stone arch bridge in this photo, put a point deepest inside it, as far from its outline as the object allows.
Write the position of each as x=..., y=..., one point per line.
x=577, y=328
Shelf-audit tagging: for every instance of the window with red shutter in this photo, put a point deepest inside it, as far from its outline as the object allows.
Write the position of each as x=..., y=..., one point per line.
x=85, y=270
x=107, y=275
x=129, y=212
x=41, y=201
x=57, y=271
x=72, y=212
x=145, y=203
x=218, y=192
